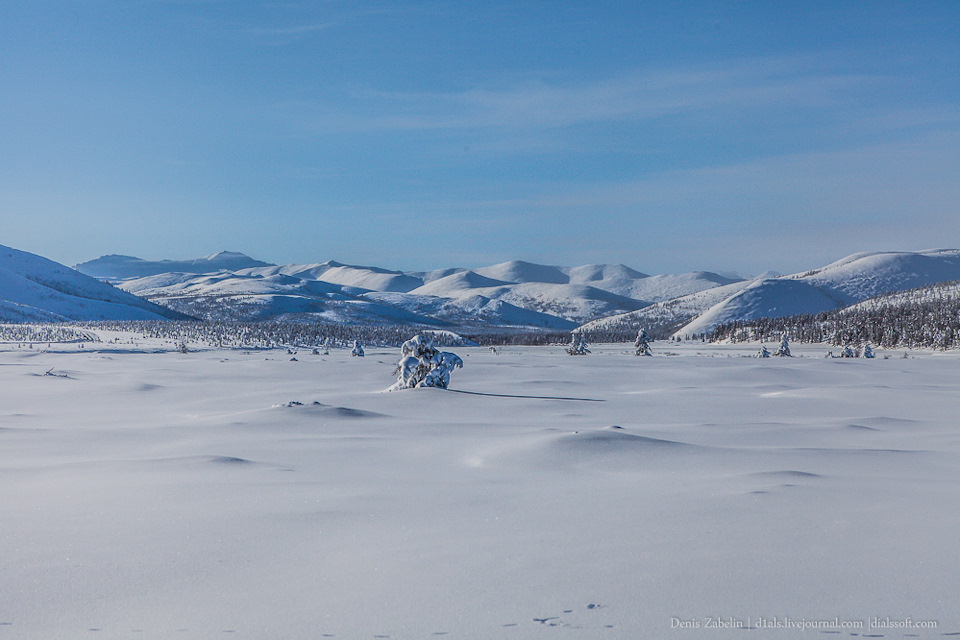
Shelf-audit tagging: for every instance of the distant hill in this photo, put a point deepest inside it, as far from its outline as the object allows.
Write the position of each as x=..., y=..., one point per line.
x=115, y=268
x=35, y=289
x=834, y=286
x=926, y=316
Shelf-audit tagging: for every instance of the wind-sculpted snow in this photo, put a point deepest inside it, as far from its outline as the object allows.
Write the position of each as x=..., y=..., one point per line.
x=241, y=493
x=764, y=299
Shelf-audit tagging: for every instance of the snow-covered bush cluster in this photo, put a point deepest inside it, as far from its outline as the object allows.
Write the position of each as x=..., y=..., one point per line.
x=423, y=365
x=577, y=346
x=783, y=351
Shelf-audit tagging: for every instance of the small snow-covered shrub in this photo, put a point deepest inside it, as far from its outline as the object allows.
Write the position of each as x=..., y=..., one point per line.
x=764, y=352
x=422, y=365
x=357, y=349
x=867, y=351
x=577, y=346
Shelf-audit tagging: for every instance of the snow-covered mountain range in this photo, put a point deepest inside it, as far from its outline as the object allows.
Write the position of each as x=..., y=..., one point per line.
x=35, y=289
x=600, y=300
x=512, y=294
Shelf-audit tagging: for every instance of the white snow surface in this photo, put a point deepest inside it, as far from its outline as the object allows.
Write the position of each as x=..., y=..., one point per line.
x=238, y=494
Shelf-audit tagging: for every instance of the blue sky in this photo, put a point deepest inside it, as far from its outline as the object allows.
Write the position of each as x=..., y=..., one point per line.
x=668, y=136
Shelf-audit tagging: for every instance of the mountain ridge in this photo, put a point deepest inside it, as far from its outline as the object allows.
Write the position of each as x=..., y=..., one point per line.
x=520, y=294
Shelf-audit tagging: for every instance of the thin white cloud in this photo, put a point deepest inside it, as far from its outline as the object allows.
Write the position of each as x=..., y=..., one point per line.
x=552, y=103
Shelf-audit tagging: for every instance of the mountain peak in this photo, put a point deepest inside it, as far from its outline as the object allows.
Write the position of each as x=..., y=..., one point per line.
x=227, y=255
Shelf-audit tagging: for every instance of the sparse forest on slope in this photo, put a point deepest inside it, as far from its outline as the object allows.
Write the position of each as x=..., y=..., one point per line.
x=835, y=286
x=923, y=317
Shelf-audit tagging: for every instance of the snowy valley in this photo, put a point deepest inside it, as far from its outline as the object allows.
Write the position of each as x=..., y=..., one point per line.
x=170, y=478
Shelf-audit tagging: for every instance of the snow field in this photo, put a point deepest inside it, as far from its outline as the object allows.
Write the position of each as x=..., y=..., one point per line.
x=241, y=494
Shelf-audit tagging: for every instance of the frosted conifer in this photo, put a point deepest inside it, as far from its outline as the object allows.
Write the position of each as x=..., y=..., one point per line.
x=784, y=350
x=642, y=343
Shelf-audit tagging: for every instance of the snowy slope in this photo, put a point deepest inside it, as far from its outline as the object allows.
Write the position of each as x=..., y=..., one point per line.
x=834, y=286
x=867, y=275
x=936, y=293
x=114, y=268
x=662, y=317
x=764, y=299
x=458, y=283
x=35, y=288
x=517, y=271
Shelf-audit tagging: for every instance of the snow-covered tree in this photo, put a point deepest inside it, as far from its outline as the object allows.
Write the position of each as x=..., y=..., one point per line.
x=784, y=349
x=577, y=345
x=867, y=350
x=422, y=365
x=642, y=343
x=847, y=352
x=764, y=352
x=357, y=349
